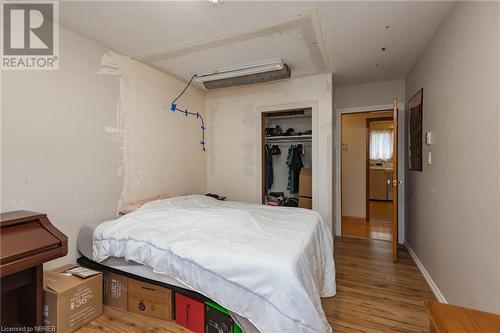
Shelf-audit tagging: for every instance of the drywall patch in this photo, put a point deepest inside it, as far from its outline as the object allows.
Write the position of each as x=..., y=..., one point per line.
x=249, y=159
x=211, y=147
x=124, y=128
x=249, y=115
x=306, y=30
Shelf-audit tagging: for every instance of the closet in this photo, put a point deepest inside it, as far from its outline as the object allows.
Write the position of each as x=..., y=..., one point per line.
x=287, y=158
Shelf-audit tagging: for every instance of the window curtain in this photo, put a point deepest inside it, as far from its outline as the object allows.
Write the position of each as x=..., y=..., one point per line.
x=381, y=142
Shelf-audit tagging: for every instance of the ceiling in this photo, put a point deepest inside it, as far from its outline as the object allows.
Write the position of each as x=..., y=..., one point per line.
x=183, y=38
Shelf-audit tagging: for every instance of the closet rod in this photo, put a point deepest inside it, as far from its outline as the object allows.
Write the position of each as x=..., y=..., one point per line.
x=289, y=138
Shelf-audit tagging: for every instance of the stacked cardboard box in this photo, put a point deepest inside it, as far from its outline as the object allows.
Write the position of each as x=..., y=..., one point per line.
x=73, y=297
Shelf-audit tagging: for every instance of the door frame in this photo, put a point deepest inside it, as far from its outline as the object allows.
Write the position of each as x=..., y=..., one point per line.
x=401, y=164
x=367, y=164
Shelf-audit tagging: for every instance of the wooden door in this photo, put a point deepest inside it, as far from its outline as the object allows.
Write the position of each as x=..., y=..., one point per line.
x=395, y=183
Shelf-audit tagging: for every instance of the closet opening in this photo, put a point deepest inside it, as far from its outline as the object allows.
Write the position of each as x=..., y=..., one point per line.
x=287, y=158
x=366, y=175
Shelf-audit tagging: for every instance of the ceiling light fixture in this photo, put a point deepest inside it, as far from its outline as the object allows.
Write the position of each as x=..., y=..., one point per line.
x=247, y=74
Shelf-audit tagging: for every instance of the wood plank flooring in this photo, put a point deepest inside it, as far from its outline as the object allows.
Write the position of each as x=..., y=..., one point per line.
x=358, y=227
x=379, y=226
x=373, y=295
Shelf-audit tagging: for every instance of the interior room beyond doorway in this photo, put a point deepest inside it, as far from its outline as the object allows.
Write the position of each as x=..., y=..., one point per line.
x=367, y=145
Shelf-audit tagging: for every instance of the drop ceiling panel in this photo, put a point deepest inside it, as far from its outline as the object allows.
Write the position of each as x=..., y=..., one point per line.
x=289, y=46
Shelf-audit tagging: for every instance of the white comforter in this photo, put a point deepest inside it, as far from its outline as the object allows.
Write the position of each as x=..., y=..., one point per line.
x=268, y=264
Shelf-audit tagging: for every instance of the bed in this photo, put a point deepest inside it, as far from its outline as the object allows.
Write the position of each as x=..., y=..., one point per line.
x=268, y=265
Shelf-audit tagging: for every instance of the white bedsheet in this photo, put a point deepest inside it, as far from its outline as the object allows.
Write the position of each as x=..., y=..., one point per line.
x=270, y=265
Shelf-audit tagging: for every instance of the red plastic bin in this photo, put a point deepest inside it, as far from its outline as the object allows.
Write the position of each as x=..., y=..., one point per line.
x=190, y=313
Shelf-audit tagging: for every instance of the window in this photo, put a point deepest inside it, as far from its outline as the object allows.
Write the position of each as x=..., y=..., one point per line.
x=381, y=142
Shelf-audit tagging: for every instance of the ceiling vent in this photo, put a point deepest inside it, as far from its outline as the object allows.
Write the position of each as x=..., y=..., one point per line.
x=245, y=75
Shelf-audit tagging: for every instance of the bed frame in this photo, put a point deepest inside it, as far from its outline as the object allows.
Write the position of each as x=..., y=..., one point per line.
x=85, y=262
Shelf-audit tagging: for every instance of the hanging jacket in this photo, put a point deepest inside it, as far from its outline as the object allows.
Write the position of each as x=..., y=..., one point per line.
x=269, y=167
x=294, y=163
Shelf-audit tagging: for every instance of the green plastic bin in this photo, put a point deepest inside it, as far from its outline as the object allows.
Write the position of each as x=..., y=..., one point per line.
x=213, y=305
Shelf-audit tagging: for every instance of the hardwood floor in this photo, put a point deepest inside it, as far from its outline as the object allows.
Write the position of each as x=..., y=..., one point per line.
x=379, y=226
x=358, y=227
x=114, y=320
x=373, y=295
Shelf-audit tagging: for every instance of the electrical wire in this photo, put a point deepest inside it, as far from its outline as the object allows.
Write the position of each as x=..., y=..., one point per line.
x=174, y=108
x=185, y=88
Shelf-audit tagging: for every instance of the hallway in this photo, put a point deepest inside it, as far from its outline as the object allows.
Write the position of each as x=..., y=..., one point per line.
x=379, y=226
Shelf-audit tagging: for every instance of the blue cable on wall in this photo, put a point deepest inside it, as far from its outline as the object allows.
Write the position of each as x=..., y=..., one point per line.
x=186, y=113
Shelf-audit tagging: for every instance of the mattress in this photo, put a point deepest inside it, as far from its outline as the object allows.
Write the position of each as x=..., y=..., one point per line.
x=84, y=244
x=268, y=266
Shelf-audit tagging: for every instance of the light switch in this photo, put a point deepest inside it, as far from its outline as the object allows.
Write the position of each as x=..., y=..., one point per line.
x=429, y=158
x=428, y=138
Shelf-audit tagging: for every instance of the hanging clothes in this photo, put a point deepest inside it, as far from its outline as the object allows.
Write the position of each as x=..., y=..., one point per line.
x=294, y=163
x=268, y=156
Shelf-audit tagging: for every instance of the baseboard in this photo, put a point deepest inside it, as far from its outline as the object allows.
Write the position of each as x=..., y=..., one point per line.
x=435, y=290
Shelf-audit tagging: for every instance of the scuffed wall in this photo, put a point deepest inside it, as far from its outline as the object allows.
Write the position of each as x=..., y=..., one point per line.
x=160, y=150
x=79, y=141
x=453, y=204
x=234, y=163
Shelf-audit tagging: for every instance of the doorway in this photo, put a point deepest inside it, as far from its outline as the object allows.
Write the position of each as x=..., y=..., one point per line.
x=366, y=171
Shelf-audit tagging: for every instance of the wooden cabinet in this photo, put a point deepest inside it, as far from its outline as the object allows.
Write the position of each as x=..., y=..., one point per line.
x=28, y=240
x=446, y=318
x=378, y=184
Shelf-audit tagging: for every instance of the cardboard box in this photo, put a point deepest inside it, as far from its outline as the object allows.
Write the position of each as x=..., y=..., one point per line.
x=71, y=301
x=149, y=299
x=305, y=203
x=305, y=183
x=115, y=290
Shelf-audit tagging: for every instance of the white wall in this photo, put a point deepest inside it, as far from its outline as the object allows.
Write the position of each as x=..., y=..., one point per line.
x=66, y=152
x=371, y=94
x=234, y=157
x=454, y=211
x=371, y=97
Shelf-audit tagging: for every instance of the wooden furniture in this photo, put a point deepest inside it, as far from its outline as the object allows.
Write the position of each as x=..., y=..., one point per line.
x=28, y=240
x=446, y=318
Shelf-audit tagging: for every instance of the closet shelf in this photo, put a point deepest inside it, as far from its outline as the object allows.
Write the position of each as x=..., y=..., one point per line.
x=280, y=138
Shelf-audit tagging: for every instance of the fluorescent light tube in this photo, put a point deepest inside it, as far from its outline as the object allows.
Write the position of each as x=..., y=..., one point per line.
x=269, y=66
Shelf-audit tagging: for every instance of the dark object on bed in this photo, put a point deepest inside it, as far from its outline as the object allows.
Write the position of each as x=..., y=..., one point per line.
x=415, y=131
x=28, y=240
x=216, y=196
